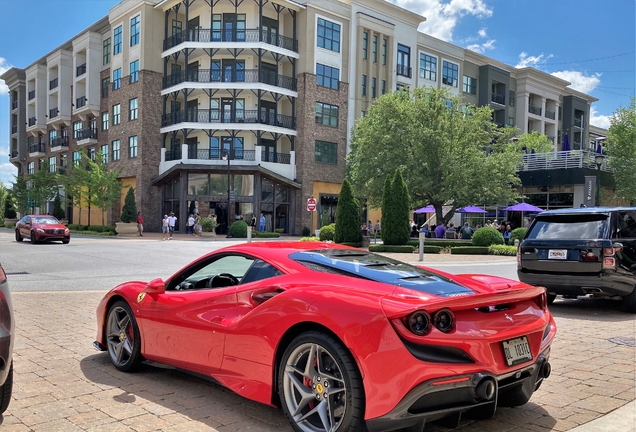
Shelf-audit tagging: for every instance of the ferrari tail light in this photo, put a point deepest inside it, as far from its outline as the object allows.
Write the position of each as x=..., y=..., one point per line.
x=542, y=301
x=609, y=262
x=444, y=321
x=419, y=323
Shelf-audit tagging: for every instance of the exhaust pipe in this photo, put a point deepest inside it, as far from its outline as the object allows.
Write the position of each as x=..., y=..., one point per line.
x=545, y=370
x=485, y=390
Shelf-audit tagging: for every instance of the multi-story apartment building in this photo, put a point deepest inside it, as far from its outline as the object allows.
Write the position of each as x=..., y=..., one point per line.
x=187, y=96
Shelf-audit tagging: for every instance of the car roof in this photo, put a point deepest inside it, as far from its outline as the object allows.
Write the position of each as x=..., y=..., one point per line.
x=583, y=210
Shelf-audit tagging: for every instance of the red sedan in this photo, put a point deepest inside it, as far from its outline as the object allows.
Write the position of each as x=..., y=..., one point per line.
x=41, y=228
x=341, y=338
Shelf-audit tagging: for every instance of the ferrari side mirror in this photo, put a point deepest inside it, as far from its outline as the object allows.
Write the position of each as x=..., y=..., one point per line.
x=155, y=286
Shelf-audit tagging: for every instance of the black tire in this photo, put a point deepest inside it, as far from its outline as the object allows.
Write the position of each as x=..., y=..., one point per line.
x=551, y=298
x=33, y=239
x=630, y=301
x=18, y=236
x=5, y=390
x=338, y=378
x=65, y=241
x=120, y=328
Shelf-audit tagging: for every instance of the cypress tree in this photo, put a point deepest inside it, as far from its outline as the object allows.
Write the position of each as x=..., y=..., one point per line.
x=58, y=212
x=386, y=222
x=347, y=216
x=129, y=212
x=402, y=209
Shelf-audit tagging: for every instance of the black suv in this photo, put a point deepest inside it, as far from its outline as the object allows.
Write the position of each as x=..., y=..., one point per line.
x=575, y=252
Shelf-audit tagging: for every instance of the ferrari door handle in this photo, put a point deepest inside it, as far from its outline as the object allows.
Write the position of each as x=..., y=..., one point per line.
x=262, y=297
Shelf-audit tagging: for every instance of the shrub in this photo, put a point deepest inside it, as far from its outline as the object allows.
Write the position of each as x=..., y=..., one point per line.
x=517, y=234
x=352, y=244
x=395, y=211
x=309, y=239
x=279, y=230
x=306, y=232
x=502, y=250
x=9, y=209
x=432, y=249
x=469, y=250
x=208, y=224
x=98, y=228
x=347, y=216
x=265, y=234
x=391, y=248
x=58, y=213
x=328, y=232
x=239, y=229
x=487, y=236
x=441, y=243
x=129, y=212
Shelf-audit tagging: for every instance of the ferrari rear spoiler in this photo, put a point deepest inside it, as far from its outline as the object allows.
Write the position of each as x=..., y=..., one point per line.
x=403, y=300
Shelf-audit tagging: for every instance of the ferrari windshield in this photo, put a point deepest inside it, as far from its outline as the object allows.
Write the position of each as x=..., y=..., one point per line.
x=45, y=220
x=378, y=268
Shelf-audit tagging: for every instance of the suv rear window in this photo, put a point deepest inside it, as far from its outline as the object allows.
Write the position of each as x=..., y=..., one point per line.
x=627, y=224
x=569, y=227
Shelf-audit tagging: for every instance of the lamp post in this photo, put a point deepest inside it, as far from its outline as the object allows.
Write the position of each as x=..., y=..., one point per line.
x=226, y=156
x=598, y=160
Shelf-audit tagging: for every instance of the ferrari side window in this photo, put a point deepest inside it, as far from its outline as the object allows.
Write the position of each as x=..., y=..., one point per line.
x=260, y=270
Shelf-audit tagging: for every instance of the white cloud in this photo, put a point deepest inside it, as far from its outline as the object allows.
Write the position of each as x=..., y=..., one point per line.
x=532, y=61
x=443, y=15
x=4, y=66
x=599, y=120
x=482, y=33
x=580, y=82
x=482, y=48
x=7, y=173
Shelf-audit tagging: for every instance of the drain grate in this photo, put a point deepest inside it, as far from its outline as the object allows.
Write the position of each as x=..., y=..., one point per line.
x=15, y=273
x=624, y=341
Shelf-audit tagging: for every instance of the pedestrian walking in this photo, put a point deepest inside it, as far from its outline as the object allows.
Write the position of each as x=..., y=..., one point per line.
x=190, y=227
x=140, y=224
x=253, y=222
x=172, y=220
x=261, y=226
x=165, y=227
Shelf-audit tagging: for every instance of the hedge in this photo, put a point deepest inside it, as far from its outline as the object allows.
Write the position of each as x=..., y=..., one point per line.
x=352, y=244
x=469, y=250
x=502, y=250
x=517, y=234
x=265, y=234
x=432, y=249
x=310, y=239
x=487, y=236
x=328, y=232
x=391, y=248
x=441, y=243
x=93, y=228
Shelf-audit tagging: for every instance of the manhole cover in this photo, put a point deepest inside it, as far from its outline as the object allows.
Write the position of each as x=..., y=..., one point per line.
x=16, y=273
x=624, y=341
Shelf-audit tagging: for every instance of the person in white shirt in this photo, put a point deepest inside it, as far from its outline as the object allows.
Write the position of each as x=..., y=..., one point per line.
x=191, y=224
x=165, y=227
x=172, y=220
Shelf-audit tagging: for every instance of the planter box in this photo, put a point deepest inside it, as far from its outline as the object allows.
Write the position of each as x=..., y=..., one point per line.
x=126, y=229
x=206, y=234
x=10, y=223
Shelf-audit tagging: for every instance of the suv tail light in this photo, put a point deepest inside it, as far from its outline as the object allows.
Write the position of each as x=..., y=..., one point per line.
x=608, y=251
x=609, y=262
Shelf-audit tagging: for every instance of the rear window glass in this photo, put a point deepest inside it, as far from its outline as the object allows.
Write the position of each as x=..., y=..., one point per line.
x=627, y=224
x=569, y=227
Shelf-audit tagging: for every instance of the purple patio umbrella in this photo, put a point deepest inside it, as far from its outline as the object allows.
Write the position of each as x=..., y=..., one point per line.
x=566, y=142
x=427, y=209
x=471, y=209
x=524, y=207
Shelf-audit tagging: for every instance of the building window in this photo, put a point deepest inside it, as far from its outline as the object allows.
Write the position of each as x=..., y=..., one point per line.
x=105, y=85
x=365, y=43
x=450, y=73
x=327, y=76
x=133, y=109
x=132, y=146
x=52, y=135
x=511, y=98
x=363, y=113
x=384, y=44
x=373, y=82
x=106, y=51
x=326, y=114
x=328, y=35
x=404, y=61
x=383, y=86
x=105, y=121
x=176, y=27
x=117, y=40
x=52, y=164
x=428, y=67
x=104, y=151
x=511, y=121
x=77, y=158
x=560, y=113
x=116, y=79
x=77, y=129
x=134, y=31
x=374, y=50
x=326, y=152
x=469, y=85
x=116, y=112
x=134, y=71
x=116, y=150
x=31, y=168
x=91, y=153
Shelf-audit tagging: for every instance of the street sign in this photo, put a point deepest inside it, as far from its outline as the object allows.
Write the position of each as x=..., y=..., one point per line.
x=233, y=196
x=311, y=204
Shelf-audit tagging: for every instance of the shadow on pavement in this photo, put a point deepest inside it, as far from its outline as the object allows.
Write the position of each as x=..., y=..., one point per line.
x=591, y=309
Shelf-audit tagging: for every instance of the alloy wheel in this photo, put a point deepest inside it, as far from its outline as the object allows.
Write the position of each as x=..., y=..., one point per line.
x=120, y=336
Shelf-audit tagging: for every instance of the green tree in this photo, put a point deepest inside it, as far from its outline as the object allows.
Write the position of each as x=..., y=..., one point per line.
x=58, y=212
x=19, y=192
x=621, y=147
x=44, y=186
x=397, y=230
x=449, y=153
x=348, y=216
x=386, y=205
x=76, y=184
x=8, y=207
x=129, y=212
x=533, y=141
x=104, y=186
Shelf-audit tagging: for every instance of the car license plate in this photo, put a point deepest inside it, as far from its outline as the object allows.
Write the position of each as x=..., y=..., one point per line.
x=560, y=254
x=517, y=351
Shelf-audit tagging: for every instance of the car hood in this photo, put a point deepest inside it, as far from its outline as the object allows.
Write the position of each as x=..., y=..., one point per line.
x=49, y=226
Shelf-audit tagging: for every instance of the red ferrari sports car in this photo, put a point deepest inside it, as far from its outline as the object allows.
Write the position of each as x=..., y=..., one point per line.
x=341, y=338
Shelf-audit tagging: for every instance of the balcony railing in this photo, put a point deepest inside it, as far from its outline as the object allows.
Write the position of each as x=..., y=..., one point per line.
x=80, y=102
x=14, y=104
x=281, y=158
x=80, y=70
x=32, y=94
x=14, y=154
x=14, y=129
x=404, y=70
x=498, y=98
x=83, y=134
x=218, y=76
x=37, y=148
x=53, y=112
x=248, y=35
x=534, y=109
x=59, y=142
x=53, y=84
x=173, y=154
x=562, y=160
x=234, y=116
x=551, y=138
x=32, y=121
x=550, y=114
x=215, y=154
x=578, y=122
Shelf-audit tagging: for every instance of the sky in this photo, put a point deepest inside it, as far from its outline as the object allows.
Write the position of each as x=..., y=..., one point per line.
x=590, y=43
